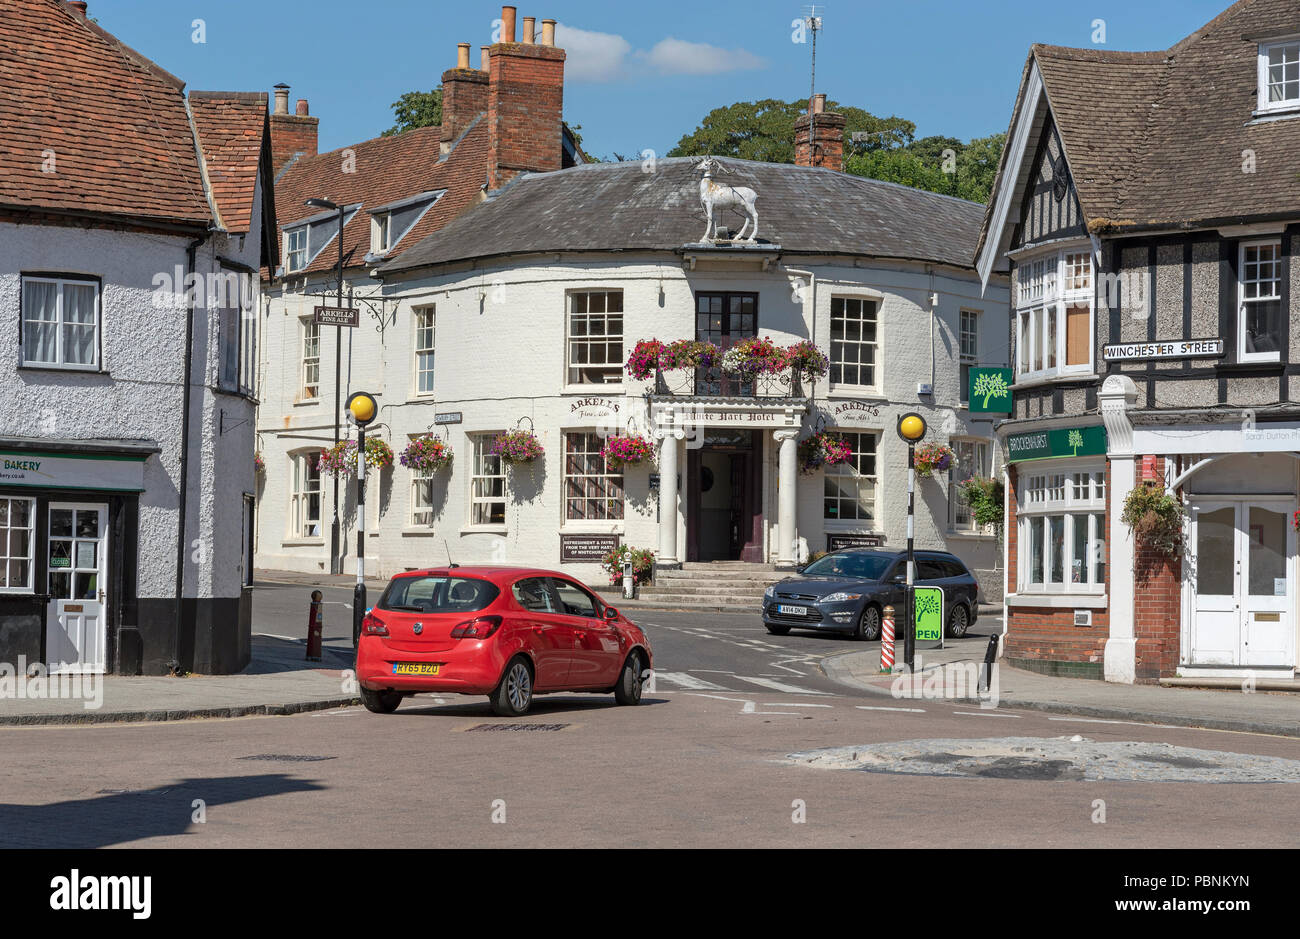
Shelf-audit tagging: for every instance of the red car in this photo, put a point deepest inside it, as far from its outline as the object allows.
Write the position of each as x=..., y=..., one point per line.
x=505, y=632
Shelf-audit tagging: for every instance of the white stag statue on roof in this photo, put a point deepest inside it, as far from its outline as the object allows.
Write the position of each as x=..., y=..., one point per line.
x=715, y=195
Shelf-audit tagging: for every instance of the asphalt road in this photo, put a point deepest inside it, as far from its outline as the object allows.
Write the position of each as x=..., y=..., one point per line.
x=702, y=763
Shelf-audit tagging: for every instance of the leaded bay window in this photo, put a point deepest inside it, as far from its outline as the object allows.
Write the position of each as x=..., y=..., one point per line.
x=1054, y=315
x=1062, y=530
x=60, y=326
x=595, y=337
x=854, y=341
x=592, y=491
x=852, y=488
x=1259, y=330
x=487, y=494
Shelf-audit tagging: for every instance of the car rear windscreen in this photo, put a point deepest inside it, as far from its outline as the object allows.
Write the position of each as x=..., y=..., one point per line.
x=858, y=566
x=432, y=594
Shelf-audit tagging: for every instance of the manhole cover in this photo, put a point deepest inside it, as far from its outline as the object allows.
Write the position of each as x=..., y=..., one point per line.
x=286, y=757
x=504, y=728
x=1055, y=758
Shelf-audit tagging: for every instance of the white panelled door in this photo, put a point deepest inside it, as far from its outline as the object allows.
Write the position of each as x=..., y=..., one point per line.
x=1241, y=583
x=76, y=631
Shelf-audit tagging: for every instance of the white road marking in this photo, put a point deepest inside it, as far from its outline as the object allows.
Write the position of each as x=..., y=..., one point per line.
x=779, y=685
x=988, y=714
x=1098, y=720
x=748, y=707
x=864, y=707
x=792, y=704
x=682, y=680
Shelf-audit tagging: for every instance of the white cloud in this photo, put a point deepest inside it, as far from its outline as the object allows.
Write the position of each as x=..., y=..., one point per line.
x=679, y=57
x=604, y=57
x=592, y=56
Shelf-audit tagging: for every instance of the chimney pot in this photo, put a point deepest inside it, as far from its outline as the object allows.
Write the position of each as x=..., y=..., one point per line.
x=302, y=109
x=78, y=7
x=529, y=29
x=462, y=55
x=819, y=104
x=548, y=32
x=507, y=24
x=281, y=98
x=485, y=58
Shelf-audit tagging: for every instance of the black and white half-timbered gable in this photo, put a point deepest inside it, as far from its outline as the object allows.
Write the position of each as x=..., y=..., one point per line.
x=1147, y=208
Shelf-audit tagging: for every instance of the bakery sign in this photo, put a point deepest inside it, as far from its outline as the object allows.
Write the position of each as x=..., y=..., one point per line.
x=1174, y=349
x=71, y=471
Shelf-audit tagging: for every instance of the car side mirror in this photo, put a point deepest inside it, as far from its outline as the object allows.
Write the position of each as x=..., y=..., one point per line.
x=611, y=613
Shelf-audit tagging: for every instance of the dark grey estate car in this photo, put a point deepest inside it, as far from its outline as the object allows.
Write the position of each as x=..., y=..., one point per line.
x=846, y=592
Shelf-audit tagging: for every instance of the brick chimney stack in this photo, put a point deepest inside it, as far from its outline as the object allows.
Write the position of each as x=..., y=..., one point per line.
x=291, y=134
x=525, y=102
x=464, y=97
x=825, y=129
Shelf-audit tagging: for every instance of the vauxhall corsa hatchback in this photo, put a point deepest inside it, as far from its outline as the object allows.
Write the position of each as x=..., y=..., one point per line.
x=508, y=633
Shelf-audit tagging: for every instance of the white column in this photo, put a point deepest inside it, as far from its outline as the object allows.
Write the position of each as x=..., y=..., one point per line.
x=1118, y=394
x=668, y=497
x=788, y=497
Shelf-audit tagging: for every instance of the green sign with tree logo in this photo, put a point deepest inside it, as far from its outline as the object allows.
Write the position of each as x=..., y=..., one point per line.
x=928, y=609
x=989, y=391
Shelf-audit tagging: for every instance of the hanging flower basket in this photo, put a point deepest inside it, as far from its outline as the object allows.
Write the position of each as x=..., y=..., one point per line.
x=643, y=361
x=1156, y=518
x=806, y=358
x=933, y=458
x=823, y=449
x=752, y=357
x=259, y=464
x=627, y=450
x=342, y=458
x=426, y=454
x=1295, y=521
x=518, y=446
x=984, y=496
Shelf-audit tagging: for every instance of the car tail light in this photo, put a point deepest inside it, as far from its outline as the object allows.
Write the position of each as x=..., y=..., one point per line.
x=372, y=625
x=479, y=628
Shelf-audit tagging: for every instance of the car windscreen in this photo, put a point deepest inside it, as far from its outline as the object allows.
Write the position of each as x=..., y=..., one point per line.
x=857, y=566
x=435, y=594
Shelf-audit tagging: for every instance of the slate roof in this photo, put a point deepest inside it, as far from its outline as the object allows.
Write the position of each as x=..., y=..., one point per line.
x=115, y=121
x=385, y=170
x=617, y=206
x=233, y=129
x=1156, y=139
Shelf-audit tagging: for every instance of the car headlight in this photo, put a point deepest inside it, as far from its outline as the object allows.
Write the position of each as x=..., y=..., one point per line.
x=841, y=597
x=770, y=592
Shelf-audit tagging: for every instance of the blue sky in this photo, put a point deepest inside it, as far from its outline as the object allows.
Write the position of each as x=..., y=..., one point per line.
x=631, y=82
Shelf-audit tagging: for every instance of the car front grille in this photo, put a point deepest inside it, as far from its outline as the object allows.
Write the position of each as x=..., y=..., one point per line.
x=798, y=597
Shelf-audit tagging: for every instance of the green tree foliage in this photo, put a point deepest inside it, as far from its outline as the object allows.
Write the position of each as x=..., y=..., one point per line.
x=416, y=109
x=874, y=147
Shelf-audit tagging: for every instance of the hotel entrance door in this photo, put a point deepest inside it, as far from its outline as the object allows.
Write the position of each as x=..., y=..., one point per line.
x=723, y=498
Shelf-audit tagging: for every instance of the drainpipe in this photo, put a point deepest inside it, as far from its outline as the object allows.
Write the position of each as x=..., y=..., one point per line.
x=176, y=665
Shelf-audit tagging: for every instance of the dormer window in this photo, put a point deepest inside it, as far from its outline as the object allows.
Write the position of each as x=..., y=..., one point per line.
x=1279, y=76
x=295, y=249
x=380, y=227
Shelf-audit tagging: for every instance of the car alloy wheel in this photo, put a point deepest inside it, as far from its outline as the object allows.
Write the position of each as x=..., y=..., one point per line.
x=958, y=622
x=519, y=687
x=868, y=624
x=630, y=684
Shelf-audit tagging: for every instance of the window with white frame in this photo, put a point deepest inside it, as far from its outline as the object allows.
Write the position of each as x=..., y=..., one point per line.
x=1054, y=315
x=1259, y=327
x=17, y=544
x=968, y=349
x=854, y=341
x=972, y=459
x=1062, y=530
x=310, y=365
x=595, y=337
x=295, y=249
x=424, y=340
x=487, y=494
x=60, y=322
x=592, y=490
x=421, y=494
x=852, y=488
x=248, y=349
x=1279, y=76
x=380, y=226
x=305, y=495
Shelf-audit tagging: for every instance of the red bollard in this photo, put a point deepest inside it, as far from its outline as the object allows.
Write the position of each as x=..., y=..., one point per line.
x=315, y=626
x=887, y=641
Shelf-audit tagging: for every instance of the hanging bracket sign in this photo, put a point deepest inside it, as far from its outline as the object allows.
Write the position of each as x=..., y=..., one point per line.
x=336, y=316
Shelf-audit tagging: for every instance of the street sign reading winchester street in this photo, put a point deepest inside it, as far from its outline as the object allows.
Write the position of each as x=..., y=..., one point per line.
x=336, y=315
x=1176, y=349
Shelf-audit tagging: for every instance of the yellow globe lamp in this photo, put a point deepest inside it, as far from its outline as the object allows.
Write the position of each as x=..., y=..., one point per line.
x=363, y=408
x=911, y=427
